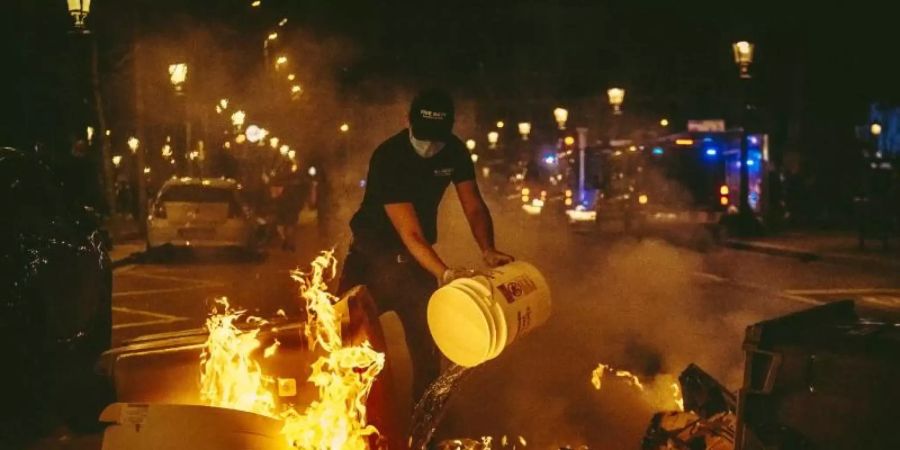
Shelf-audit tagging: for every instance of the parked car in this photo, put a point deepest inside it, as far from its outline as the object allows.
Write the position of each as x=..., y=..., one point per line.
x=201, y=212
x=55, y=301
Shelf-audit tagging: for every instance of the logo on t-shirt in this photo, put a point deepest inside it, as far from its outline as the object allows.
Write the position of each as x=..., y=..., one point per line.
x=446, y=172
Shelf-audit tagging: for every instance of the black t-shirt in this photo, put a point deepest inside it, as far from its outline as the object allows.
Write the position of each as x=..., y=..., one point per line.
x=397, y=174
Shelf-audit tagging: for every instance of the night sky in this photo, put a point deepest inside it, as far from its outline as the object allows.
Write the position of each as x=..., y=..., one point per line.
x=815, y=70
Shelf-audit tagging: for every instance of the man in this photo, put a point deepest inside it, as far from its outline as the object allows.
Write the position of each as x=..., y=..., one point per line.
x=396, y=224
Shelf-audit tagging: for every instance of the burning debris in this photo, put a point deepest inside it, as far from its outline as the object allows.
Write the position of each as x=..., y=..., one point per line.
x=663, y=391
x=241, y=399
x=344, y=377
x=229, y=376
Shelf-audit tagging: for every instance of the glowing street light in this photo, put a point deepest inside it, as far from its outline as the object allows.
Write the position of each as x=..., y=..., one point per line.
x=116, y=160
x=875, y=129
x=237, y=119
x=312, y=171
x=292, y=154
x=282, y=22
x=663, y=122
x=256, y=3
x=616, y=98
x=133, y=144
x=561, y=115
x=569, y=141
x=743, y=56
x=166, y=151
x=89, y=133
x=272, y=36
x=255, y=134
x=291, y=77
x=280, y=61
x=500, y=124
x=296, y=89
x=178, y=75
x=284, y=150
x=79, y=10
x=345, y=127
x=273, y=142
x=493, y=137
x=470, y=144
x=524, y=130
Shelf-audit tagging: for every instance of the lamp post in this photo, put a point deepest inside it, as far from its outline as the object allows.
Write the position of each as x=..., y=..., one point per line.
x=470, y=144
x=875, y=131
x=743, y=58
x=177, y=77
x=561, y=115
x=524, y=130
x=616, y=98
x=493, y=137
x=237, y=119
x=79, y=10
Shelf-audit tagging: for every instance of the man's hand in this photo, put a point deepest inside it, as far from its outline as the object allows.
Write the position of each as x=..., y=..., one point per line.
x=496, y=258
x=455, y=272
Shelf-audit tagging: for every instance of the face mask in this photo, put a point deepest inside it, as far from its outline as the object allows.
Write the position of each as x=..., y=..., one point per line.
x=425, y=149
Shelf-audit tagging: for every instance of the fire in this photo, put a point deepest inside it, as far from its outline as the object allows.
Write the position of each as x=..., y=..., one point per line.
x=663, y=392
x=344, y=377
x=230, y=377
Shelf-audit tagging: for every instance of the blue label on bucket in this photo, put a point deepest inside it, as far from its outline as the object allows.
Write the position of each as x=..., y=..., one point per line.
x=517, y=288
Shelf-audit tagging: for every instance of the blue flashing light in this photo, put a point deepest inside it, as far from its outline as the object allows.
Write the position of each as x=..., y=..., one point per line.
x=753, y=140
x=750, y=162
x=550, y=160
x=711, y=152
x=658, y=151
x=707, y=139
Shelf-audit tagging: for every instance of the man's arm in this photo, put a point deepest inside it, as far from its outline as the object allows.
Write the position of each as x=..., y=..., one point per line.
x=403, y=217
x=480, y=222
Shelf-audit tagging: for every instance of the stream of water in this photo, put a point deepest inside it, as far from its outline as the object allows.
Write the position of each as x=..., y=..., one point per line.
x=431, y=407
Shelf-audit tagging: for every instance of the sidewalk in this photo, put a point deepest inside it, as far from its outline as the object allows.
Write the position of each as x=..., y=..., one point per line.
x=832, y=246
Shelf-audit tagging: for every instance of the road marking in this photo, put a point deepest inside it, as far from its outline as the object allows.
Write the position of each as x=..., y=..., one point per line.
x=145, y=313
x=158, y=318
x=145, y=323
x=155, y=291
x=787, y=295
x=843, y=291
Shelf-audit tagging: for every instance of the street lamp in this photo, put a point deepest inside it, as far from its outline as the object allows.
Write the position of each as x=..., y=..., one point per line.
x=273, y=142
x=524, y=130
x=237, y=119
x=133, y=144
x=284, y=150
x=616, y=97
x=291, y=77
x=272, y=36
x=79, y=10
x=561, y=115
x=177, y=76
x=254, y=134
x=743, y=57
x=345, y=127
x=296, y=90
x=280, y=61
x=493, y=137
x=663, y=122
x=117, y=160
x=470, y=144
x=875, y=129
x=500, y=124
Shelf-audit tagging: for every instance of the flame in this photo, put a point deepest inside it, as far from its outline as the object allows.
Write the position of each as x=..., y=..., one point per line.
x=663, y=392
x=229, y=376
x=344, y=376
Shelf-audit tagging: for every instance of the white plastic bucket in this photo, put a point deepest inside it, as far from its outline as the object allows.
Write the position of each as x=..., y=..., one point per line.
x=473, y=319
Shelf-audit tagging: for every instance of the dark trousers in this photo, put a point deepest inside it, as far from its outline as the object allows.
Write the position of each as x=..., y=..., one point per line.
x=398, y=283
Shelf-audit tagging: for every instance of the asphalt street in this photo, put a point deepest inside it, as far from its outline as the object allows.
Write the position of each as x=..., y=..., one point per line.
x=647, y=306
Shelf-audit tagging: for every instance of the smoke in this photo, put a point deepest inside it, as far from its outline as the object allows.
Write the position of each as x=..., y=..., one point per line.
x=637, y=306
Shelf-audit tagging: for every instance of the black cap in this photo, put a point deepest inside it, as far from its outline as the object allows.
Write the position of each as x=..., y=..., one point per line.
x=431, y=115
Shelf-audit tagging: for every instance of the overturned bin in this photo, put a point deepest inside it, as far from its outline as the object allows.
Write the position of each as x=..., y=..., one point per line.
x=156, y=379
